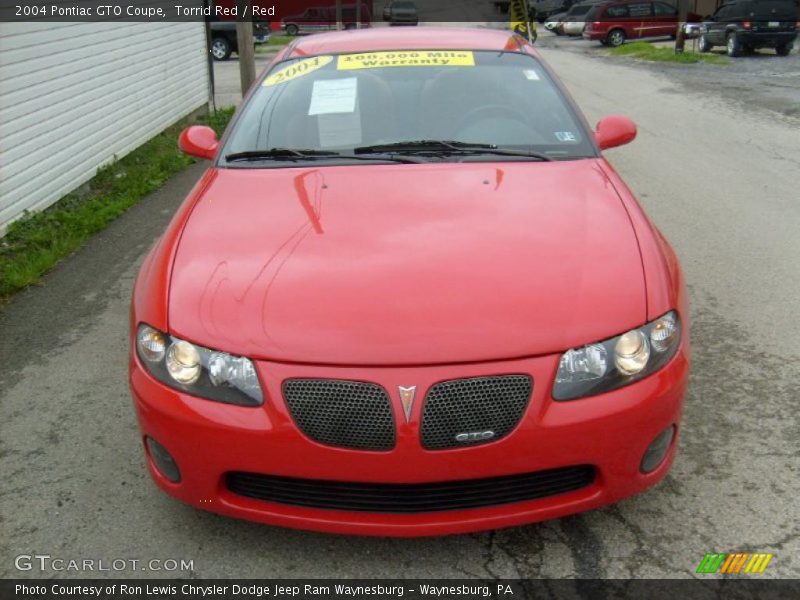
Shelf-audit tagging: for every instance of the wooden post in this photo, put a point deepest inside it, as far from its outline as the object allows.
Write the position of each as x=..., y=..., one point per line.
x=244, y=39
x=680, y=35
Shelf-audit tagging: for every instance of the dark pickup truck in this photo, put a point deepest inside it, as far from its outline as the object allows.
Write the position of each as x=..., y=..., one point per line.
x=223, y=37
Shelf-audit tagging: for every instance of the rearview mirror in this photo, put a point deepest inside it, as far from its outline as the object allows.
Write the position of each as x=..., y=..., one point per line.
x=613, y=131
x=199, y=141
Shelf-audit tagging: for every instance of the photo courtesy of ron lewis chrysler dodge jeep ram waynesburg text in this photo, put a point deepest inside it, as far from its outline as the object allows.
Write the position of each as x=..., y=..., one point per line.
x=409, y=297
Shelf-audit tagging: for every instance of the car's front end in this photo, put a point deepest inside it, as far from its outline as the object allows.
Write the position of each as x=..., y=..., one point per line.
x=559, y=457
x=407, y=397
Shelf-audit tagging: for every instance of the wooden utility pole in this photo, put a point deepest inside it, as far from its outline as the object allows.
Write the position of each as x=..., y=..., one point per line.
x=339, y=15
x=680, y=35
x=244, y=39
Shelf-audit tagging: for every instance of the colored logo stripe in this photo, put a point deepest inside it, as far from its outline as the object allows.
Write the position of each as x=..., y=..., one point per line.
x=734, y=563
x=710, y=563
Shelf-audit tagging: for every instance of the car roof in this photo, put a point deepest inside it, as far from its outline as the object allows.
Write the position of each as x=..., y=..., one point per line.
x=406, y=38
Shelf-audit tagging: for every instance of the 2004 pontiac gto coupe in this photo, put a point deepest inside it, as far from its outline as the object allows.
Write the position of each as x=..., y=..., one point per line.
x=409, y=297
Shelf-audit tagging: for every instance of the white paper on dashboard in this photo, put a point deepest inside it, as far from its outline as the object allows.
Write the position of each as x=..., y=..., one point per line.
x=332, y=96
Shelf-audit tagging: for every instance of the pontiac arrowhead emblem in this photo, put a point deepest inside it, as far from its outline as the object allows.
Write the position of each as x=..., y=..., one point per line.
x=407, y=399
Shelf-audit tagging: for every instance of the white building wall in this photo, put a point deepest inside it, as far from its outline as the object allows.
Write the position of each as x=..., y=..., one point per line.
x=73, y=96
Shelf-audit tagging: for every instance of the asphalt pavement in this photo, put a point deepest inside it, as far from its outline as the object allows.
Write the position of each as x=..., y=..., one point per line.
x=718, y=178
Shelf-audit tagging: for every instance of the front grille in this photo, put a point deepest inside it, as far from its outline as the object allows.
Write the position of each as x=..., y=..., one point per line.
x=410, y=498
x=347, y=414
x=473, y=406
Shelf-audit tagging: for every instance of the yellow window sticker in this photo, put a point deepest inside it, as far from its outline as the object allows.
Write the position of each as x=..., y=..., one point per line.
x=298, y=69
x=406, y=58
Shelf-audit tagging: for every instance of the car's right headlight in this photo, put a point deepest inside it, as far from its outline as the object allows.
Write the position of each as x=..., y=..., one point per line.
x=198, y=371
x=618, y=361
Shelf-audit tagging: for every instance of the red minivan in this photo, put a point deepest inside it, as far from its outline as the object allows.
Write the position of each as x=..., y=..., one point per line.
x=611, y=23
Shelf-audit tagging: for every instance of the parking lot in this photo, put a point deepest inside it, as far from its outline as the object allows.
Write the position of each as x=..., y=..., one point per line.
x=715, y=166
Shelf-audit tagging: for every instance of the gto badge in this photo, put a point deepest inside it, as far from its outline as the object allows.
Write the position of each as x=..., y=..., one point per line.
x=407, y=399
x=474, y=436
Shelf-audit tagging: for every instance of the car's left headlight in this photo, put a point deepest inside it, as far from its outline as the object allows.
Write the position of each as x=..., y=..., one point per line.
x=616, y=362
x=198, y=371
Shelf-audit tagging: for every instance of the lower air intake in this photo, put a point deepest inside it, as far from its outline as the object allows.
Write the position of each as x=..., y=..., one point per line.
x=410, y=498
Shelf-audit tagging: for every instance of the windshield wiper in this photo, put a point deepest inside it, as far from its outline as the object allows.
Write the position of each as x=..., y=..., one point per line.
x=295, y=154
x=448, y=147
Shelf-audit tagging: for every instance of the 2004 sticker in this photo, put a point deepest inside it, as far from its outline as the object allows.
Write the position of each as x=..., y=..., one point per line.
x=412, y=58
x=298, y=69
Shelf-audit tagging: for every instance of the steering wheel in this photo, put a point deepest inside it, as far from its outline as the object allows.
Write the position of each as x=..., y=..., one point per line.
x=492, y=110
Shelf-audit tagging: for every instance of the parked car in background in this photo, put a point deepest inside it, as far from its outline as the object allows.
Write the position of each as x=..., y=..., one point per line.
x=224, y=41
x=746, y=25
x=403, y=12
x=575, y=19
x=612, y=23
x=545, y=8
x=551, y=23
x=323, y=18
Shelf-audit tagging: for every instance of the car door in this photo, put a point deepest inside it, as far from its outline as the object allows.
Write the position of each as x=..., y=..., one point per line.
x=640, y=16
x=715, y=28
x=665, y=19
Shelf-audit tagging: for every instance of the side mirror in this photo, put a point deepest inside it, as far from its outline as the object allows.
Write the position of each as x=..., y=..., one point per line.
x=613, y=131
x=199, y=141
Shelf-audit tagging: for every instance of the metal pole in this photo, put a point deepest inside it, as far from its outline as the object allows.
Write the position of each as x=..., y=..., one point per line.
x=528, y=22
x=680, y=36
x=339, y=26
x=244, y=39
x=211, y=83
x=358, y=14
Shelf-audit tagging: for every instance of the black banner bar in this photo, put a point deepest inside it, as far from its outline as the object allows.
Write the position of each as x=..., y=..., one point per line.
x=414, y=589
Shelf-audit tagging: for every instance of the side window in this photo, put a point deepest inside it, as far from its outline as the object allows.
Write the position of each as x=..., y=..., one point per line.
x=664, y=10
x=617, y=11
x=723, y=13
x=640, y=10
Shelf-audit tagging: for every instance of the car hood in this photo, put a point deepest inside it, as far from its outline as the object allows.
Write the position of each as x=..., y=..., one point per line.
x=407, y=264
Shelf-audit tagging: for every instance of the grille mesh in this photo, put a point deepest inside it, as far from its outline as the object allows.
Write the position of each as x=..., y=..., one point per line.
x=347, y=414
x=478, y=404
x=410, y=498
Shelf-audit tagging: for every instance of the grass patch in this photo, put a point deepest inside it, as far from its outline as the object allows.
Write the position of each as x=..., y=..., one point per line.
x=37, y=241
x=275, y=43
x=279, y=40
x=647, y=51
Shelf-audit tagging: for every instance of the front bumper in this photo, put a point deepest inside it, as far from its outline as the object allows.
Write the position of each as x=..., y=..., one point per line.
x=610, y=431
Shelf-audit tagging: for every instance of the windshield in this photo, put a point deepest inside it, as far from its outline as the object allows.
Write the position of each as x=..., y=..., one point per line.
x=579, y=10
x=346, y=103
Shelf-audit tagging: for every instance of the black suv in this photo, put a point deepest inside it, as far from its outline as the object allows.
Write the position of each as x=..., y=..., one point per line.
x=744, y=25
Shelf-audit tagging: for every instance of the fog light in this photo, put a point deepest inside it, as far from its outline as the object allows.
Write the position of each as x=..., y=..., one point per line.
x=163, y=460
x=657, y=450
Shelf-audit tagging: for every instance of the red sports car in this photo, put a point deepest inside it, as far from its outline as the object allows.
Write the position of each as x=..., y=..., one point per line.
x=409, y=297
